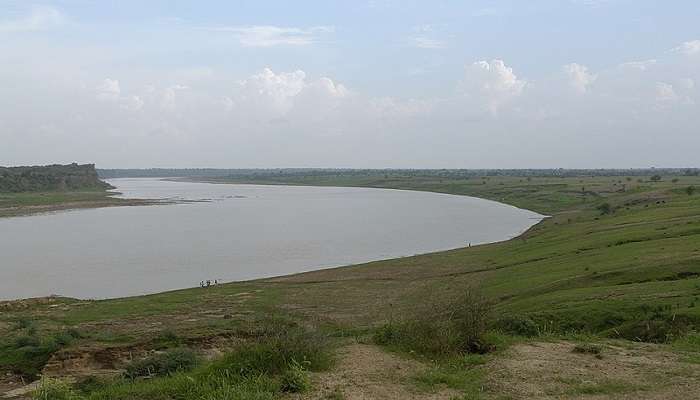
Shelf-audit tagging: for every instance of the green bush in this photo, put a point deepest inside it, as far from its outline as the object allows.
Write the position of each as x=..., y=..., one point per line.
x=295, y=379
x=162, y=364
x=275, y=353
x=457, y=327
x=655, y=329
x=517, y=325
x=54, y=389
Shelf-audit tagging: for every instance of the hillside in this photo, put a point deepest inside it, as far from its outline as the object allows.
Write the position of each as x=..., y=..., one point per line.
x=70, y=177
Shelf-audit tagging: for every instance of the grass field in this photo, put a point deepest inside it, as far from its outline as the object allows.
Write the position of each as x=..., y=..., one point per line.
x=619, y=259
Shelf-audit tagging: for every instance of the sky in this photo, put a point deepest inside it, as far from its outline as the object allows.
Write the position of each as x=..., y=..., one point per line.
x=351, y=84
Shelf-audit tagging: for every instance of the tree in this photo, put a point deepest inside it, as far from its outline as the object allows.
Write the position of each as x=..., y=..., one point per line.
x=690, y=190
x=656, y=178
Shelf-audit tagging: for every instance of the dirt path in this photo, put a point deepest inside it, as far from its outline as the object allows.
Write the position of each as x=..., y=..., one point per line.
x=366, y=372
x=624, y=371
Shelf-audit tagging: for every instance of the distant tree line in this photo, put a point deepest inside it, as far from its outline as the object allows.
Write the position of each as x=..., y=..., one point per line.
x=50, y=178
x=340, y=172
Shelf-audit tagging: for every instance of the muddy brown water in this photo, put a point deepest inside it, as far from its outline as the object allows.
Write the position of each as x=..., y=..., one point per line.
x=234, y=232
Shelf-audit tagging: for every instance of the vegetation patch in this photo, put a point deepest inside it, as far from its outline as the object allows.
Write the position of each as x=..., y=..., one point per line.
x=588, y=348
x=455, y=328
x=276, y=362
x=162, y=364
x=25, y=350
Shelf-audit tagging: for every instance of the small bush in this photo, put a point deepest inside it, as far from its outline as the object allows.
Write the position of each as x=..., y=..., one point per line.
x=517, y=325
x=655, y=330
x=162, y=364
x=295, y=379
x=168, y=339
x=91, y=383
x=53, y=389
x=25, y=323
x=444, y=330
x=471, y=316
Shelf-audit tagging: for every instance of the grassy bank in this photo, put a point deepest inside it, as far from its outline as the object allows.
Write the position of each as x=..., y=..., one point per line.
x=619, y=259
x=26, y=203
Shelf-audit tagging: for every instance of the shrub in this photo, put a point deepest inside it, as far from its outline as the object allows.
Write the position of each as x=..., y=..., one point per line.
x=443, y=330
x=54, y=389
x=295, y=379
x=162, y=364
x=690, y=190
x=471, y=316
x=517, y=325
x=280, y=348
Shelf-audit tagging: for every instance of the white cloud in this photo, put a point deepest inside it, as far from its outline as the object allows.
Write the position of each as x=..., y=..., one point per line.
x=688, y=48
x=579, y=77
x=638, y=65
x=423, y=42
x=665, y=93
x=687, y=83
x=424, y=38
x=168, y=100
x=267, y=89
x=39, y=18
x=108, y=90
x=492, y=115
x=269, y=35
x=493, y=82
x=134, y=103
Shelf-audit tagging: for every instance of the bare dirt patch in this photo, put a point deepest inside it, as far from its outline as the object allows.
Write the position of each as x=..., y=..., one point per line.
x=365, y=372
x=624, y=371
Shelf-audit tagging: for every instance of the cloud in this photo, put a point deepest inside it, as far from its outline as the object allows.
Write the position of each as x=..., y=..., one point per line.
x=40, y=18
x=426, y=43
x=488, y=12
x=424, y=38
x=638, y=65
x=493, y=82
x=269, y=35
x=108, y=90
x=688, y=48
x=168, y=101
x=491, y=114
x=665, y=92
x=687, y=83
x=592, y=3
x=268, y=89
x=579, y=77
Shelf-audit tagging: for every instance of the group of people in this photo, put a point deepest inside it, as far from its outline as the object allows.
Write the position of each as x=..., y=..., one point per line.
x=208, y=283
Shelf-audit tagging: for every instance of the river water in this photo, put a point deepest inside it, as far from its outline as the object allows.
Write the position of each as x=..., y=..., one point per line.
x=234, y=232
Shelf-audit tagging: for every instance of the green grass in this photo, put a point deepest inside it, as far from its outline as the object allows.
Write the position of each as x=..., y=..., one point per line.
x=274, y=363
x=25, y=351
